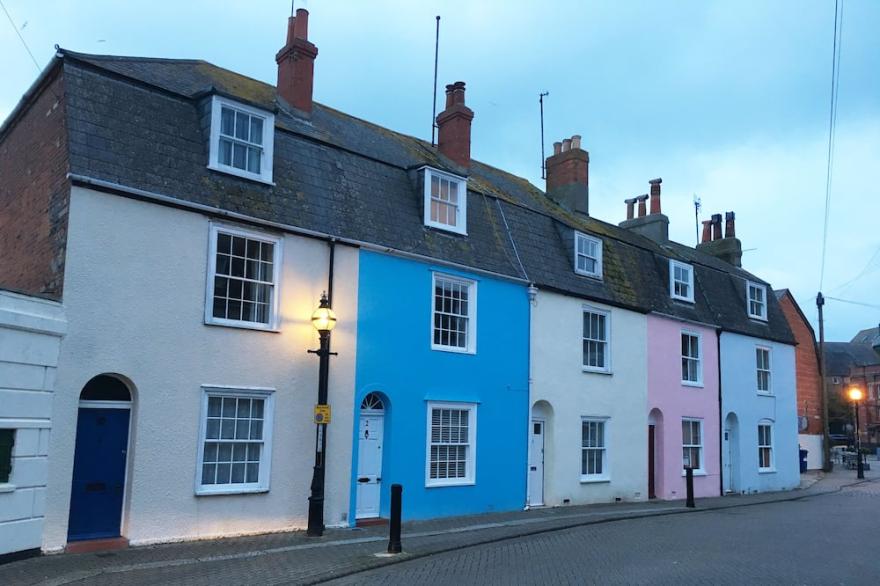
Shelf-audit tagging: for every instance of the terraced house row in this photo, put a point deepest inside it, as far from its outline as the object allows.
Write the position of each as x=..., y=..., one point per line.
x=169, y=226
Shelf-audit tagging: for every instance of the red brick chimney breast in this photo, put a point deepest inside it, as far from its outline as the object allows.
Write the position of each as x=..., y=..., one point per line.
x=454, y=126
x=296, y=63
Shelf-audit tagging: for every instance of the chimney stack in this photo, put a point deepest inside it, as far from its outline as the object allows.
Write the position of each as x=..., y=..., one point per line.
x=296, y=63
x=725, y=246
x=454, y=126
x=568, y=175
x=654, y=225
x=655, y=195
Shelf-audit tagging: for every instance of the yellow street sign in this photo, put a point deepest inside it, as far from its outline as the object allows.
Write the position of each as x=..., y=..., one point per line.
x=322, y=414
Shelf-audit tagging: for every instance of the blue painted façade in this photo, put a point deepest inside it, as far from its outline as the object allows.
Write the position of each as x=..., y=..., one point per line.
x=396, y=361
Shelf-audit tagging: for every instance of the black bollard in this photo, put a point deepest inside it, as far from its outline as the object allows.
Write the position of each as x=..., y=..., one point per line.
x=394, y=545
x=689, y=481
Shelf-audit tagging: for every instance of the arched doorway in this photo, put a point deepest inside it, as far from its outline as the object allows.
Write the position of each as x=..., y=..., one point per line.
x=371, y=435
x=730, y=453
x=100, y=458
x=655, y=452
x=542, y=414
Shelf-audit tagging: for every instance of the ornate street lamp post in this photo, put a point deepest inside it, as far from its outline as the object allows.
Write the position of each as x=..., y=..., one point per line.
x=856, y=395
x=324, y=320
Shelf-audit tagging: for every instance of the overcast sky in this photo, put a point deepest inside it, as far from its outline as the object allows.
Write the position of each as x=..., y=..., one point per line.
x=725, y=100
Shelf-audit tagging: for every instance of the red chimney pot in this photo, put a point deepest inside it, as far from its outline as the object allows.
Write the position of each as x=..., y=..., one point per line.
x=655, y=195
x=296, y=63
x=454, y=126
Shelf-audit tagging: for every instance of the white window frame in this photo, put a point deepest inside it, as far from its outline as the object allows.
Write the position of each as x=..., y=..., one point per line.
x=701, y=471
x=471, y=466
x=578, y=238
x=768, y=370
x=762, y=315
x=461, y=209
x=607, y=314
x=268, y=396
x=772, y=466
x=606, y=472
x=471, y=347
x=690, y=269
x=276, y=241
x=265, y=174
x=699, y=358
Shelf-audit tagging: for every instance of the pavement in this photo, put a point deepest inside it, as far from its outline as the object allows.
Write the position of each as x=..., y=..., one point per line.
x=293, y=558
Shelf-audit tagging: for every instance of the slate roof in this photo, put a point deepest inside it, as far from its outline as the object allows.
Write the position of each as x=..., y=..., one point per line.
x=139, y=122
x=840, y=356
x=870, y=336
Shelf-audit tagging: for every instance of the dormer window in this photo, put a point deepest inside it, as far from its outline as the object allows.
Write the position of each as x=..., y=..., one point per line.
x=445, y=201
x=241, y=140
x=587, y=255
x=756, y=300
x=681, y=281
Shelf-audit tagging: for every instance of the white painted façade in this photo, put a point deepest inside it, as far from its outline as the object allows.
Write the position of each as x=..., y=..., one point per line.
x=135, y=296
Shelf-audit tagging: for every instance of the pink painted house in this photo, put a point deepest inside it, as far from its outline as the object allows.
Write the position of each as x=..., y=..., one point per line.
x=682, y=408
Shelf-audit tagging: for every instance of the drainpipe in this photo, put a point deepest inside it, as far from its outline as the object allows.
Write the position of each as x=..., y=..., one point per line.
x=533, y=301
x=720, y=420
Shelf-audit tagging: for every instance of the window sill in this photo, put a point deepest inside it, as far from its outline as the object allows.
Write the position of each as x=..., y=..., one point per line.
x=688, y=383
x=685, y=299
x=230, y=491
x=445, y=229
x=765, y=394
x=766, y=470
x=596, y=276
x=696, y=473
x=241, y=174
x=596, y=370
x=449, y=484
x=758, y=318
x=595, y=480
x=452, y=349
x=6, y=487
x=242, y=325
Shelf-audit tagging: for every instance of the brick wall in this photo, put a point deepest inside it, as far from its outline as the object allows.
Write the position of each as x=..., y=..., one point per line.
x=809, y=384
x=34, y=194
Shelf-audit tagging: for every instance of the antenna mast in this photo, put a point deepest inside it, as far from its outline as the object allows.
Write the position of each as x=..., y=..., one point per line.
x=697, y=205
x=436, y=55
x=543, y=164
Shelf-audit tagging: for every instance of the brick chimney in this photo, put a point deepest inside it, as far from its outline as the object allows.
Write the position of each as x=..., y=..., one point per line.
x=296, y=63
x=454, y=126
x=568, y=175
x=725, y=246
x=654, y=225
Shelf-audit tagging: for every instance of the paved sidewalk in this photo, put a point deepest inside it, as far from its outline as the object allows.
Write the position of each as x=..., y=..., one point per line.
x=293, y=558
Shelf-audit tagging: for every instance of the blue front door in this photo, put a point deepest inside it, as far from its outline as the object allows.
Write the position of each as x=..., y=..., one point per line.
x=98, y=474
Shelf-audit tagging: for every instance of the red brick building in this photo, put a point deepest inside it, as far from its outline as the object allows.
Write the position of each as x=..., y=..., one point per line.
x=808, y=379
x=856, y=364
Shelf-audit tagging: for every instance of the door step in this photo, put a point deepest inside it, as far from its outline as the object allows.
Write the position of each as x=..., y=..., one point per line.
x=370, y=522
x=93, y=545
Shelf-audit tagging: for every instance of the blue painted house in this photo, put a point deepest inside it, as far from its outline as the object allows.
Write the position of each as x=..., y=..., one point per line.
x=441, y=379
x=442, y=406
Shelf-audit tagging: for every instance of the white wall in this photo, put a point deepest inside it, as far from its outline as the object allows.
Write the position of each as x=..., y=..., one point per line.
x=135, y=299
x=30, y=332
x=558, y=378
x=813, y=445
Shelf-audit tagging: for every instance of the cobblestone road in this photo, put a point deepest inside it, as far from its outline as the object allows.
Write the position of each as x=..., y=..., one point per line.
x=831, y=539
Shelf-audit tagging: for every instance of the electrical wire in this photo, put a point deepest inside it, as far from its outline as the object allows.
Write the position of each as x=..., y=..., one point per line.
x=862, y=273
x=20, y=38
x=832, y=123
x=871, y=305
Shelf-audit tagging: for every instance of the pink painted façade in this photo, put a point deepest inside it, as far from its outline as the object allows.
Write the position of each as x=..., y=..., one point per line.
x=670, y=400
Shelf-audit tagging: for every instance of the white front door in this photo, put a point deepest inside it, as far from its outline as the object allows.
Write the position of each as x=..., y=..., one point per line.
x=536, y=463
x=369, y=476
x=728, y=465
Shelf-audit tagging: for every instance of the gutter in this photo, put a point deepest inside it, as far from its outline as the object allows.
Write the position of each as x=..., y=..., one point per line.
x=153, y=197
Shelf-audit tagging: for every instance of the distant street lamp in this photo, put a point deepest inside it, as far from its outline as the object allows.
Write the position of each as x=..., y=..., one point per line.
x=855, y=395
x=324, y=320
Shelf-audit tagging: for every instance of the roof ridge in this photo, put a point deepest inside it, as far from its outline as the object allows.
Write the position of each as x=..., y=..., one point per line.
x=105, y=57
